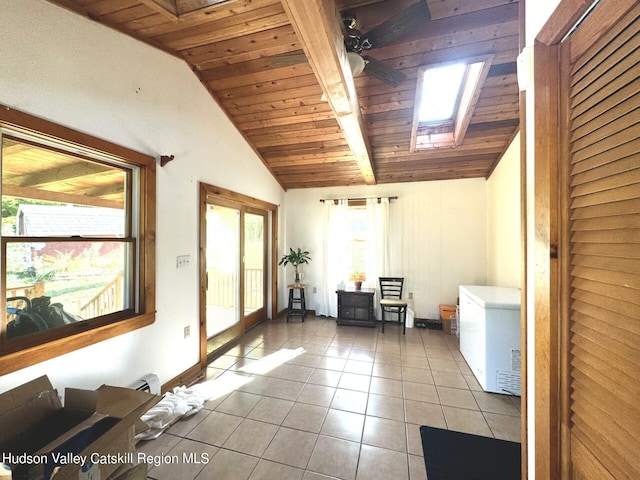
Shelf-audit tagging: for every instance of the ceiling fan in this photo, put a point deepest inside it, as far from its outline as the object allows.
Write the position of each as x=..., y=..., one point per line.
x=356, y=43
x=388, y=32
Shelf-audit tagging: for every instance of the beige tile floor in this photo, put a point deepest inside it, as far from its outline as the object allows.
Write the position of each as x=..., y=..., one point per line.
x=316, y=401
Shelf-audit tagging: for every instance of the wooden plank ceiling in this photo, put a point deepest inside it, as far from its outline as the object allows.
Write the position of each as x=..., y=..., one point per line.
x=267, y=64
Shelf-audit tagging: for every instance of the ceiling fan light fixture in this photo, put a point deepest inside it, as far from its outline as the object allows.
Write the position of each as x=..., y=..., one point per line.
x=356, y=63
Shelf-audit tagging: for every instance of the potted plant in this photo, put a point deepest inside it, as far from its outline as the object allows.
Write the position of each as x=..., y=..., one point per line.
x=358, y=278
x=295, y=258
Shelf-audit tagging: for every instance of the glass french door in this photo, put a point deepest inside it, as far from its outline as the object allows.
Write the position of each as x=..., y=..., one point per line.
x=254, y=265
x=222, y=269
x=234, y=270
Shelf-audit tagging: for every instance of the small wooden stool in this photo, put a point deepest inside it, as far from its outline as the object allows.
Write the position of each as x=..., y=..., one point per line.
x=297, y=305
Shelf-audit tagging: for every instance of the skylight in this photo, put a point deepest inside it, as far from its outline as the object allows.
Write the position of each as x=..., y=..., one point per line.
x=440, y=92
x=446, y=98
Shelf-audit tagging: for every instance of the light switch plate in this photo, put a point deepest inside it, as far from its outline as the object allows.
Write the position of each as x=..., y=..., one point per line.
x=183, y=261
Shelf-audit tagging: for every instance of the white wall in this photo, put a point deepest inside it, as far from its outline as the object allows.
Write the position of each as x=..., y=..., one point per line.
x=437, y=238
x=504, y=248
x=72, y=71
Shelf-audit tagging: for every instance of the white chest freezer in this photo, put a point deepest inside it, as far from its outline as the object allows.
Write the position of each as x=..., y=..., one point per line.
x=489, y=326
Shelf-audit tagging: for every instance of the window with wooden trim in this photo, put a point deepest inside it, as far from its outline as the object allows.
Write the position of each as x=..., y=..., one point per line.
x=357, y=246
x=77, y=257
x=446, y=97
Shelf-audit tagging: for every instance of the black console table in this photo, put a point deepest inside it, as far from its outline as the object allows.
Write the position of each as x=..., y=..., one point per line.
x=355, y=307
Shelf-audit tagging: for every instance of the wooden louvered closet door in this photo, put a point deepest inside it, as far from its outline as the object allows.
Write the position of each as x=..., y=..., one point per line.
x=603, y=333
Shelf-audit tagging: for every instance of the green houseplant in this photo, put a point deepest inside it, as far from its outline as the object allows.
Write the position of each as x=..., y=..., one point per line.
x=295, y=258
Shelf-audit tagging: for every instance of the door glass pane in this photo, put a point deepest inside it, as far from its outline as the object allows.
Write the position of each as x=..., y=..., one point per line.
x=223, y=268
x=253, y=262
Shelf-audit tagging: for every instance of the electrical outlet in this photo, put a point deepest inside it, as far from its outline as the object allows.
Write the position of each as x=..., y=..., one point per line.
x=315, y=290
x=187, y=331
x=183, y=261
x=410, y=295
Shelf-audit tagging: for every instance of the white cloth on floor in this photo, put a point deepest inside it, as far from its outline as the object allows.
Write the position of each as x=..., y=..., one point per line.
x=180, y=403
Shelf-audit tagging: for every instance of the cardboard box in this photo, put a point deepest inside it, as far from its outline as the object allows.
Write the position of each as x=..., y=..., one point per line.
x=450, y=326
x=449, y=319
x=131, y=472
x=89, y=437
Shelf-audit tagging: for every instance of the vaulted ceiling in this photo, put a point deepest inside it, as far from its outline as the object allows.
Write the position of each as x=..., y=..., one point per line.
x=279, y=70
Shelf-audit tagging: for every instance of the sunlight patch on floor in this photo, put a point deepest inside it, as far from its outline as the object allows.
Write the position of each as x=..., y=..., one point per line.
x=271, y=361
x=230, y=381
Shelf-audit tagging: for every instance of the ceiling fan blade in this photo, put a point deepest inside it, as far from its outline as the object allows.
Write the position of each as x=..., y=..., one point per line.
x=383, y=72
x=399, y=25
x=287, y=60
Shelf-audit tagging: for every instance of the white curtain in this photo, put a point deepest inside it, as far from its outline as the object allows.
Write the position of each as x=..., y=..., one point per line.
x=335, y=243
x=377, y=243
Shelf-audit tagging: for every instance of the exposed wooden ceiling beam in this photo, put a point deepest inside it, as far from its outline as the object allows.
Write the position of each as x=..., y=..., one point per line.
x=318, y=26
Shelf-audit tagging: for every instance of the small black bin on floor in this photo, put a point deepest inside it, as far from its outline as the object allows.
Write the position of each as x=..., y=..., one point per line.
x=450, y=455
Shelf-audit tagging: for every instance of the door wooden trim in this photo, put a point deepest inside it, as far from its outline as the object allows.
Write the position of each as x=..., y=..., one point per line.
x=544, y=273
x=543, y=264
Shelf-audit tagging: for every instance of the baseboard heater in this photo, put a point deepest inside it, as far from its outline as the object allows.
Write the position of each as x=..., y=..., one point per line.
x=149, y=383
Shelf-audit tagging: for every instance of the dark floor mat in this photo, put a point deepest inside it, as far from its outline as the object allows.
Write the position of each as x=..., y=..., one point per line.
x=450, y=455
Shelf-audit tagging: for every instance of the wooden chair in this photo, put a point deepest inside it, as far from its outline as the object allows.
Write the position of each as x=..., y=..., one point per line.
x=391, y=300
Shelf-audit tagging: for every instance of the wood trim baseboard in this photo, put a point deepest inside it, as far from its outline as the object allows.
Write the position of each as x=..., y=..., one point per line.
x=283, y=313
x=190, y=376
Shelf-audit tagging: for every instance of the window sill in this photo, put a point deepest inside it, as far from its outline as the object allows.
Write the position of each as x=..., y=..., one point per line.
x=12, y=362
